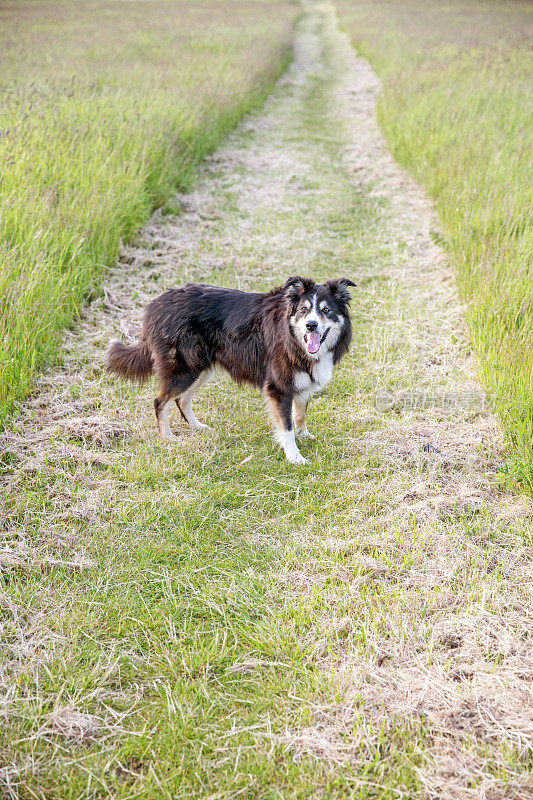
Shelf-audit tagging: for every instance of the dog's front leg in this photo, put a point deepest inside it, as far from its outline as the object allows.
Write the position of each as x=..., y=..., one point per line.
x=299, y=408
x=280, y=407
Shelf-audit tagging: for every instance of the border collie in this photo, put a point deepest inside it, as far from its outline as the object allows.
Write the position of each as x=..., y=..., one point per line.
x=286, y=342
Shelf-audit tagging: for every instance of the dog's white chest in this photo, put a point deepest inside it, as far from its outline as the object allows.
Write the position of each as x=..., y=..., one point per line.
x=302, y=382
x=323, y=371
x=306, y=385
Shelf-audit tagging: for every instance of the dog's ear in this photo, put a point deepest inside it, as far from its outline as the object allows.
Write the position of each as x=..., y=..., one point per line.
x=295, y=287
x=338, y=289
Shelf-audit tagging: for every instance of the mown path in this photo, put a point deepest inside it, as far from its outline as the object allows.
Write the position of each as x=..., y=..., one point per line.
x=200, y=619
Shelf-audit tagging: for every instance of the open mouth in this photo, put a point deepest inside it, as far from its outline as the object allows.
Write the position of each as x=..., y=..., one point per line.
x=314, y=340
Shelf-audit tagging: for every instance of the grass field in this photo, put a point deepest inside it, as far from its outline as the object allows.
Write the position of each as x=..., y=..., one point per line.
x=457, y=111
x=200, y=619
x=104, y=108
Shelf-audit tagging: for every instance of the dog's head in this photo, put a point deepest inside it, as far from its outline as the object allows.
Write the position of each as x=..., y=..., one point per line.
x=317, y=312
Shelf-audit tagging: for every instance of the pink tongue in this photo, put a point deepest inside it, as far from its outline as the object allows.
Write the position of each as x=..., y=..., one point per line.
x=314, y=342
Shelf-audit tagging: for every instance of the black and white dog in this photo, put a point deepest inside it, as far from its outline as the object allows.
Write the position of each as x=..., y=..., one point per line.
x=286, y=342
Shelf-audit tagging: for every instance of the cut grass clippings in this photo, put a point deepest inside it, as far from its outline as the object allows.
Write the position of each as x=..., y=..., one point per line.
x=457, y=111
x=104, y=109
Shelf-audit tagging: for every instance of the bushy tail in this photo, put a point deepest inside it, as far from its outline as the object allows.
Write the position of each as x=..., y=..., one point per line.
x=132, y=362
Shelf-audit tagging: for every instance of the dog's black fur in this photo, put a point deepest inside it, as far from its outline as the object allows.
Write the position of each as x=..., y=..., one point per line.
x=258, y=338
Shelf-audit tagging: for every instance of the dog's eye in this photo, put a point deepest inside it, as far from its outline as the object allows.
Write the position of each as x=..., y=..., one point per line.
x=325, y=310
x=304, y=309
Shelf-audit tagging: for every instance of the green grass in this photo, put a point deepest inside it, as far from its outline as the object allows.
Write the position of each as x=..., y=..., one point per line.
x=104, y=110
x=457, y=110
x=246, y=629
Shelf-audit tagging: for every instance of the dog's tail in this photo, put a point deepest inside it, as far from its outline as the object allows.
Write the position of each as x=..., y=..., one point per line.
x=132, y=362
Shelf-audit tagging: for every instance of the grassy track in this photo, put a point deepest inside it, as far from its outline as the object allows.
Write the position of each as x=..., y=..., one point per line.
x=200, y=619
x=457, y=111
x=104, y=109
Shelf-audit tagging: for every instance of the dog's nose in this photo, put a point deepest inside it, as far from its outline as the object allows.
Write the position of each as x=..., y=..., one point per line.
x=312, y=325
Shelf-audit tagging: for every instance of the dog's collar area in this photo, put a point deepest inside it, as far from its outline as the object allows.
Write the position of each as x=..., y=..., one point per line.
x=312, y=364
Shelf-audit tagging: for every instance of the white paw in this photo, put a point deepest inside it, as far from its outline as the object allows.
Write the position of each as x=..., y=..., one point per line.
x=296, y=458
x=168, y=436
x=198, y=426
x=305, y=434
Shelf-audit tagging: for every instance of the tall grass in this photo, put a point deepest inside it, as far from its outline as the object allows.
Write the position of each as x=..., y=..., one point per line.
x=456, y=108
x=104, y=110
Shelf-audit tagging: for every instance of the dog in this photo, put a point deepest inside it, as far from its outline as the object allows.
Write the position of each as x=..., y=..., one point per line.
x=285, y=342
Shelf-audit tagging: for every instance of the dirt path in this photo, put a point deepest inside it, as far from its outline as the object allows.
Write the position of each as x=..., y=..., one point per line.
x=360, y=627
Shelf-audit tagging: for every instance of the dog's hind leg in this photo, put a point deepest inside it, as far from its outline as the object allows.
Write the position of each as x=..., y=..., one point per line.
x=280, y=407
x=161, y=406
x=299, y=409
x=184, y=401
x=171, y=389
